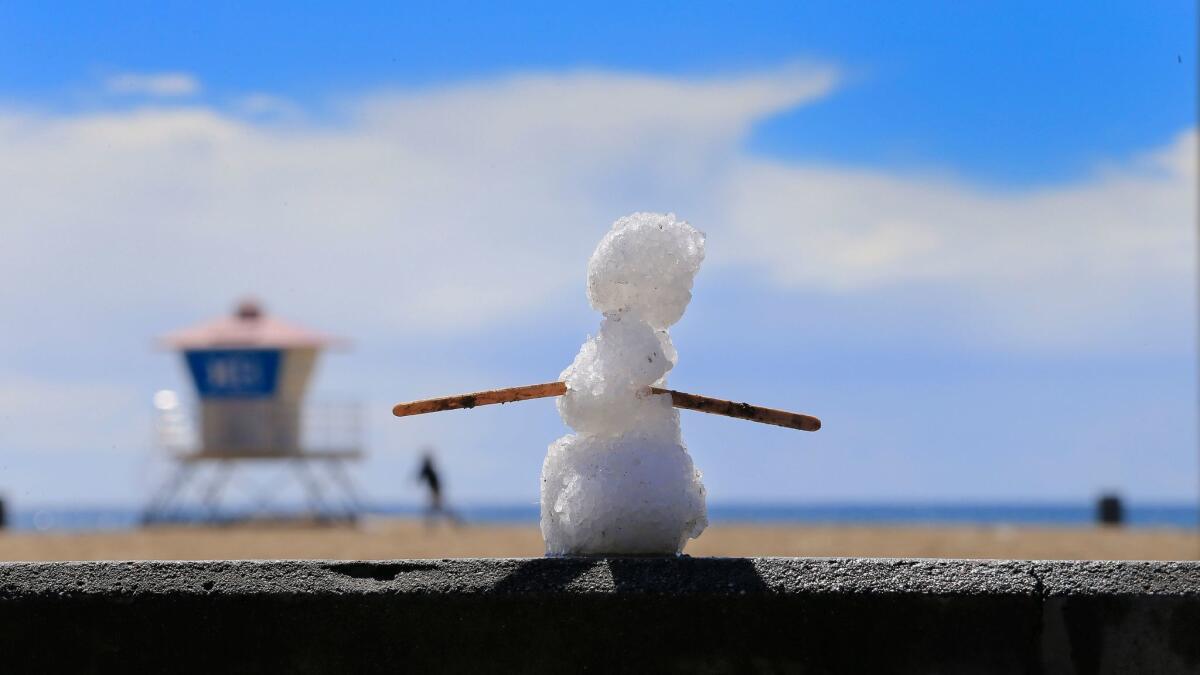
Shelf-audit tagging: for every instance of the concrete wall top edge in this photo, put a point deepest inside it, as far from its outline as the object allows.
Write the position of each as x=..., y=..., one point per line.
x=575, y=576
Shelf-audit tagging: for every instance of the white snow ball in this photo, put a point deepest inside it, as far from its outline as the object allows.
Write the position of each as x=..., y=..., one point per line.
x=646, y=263
x=606, y=384
x=630, y=495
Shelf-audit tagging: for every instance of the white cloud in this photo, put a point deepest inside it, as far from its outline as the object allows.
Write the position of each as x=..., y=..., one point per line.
x=1052, y=266
x=152, y=84
x=40, y=414
x=433, y=210
x=462, y=206
x=269, y=106
x=425, y=212
x=466, y=208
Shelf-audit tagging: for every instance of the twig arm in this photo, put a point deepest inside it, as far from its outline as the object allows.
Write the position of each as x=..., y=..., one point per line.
x=744, y=411
x=679, y=399
x=489, y=397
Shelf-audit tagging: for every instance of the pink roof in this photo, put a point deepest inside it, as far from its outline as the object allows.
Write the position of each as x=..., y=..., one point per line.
x=247, y=327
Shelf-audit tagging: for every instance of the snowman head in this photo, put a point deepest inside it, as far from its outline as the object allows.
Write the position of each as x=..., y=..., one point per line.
x=645, y=266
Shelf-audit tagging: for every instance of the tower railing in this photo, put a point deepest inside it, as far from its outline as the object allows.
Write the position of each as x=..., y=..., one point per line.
x=322, y=427
x=312, y=442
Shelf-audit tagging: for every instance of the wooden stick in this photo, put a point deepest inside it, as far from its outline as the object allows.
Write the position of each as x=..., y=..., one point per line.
x=679, y=399
x=742, y=411
x=480, y=398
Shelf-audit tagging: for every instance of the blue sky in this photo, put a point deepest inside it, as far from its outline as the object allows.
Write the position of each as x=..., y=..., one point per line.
x=1012, y=92
x=962, y=234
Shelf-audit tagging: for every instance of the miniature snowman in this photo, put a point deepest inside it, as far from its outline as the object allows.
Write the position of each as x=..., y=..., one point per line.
x=623, y=483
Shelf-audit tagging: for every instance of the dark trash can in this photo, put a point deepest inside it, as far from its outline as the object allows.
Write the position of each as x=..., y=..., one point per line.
x=1109, y=510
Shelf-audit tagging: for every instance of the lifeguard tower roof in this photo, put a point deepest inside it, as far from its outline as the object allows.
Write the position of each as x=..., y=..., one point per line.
x=248, y=327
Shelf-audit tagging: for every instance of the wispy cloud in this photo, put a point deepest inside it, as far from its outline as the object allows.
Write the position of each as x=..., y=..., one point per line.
x=35, y=410
x=169, y=84
x=468, y=208
x=472, y=204
x=1064, y=266
x=442, y=210
x=263, y=105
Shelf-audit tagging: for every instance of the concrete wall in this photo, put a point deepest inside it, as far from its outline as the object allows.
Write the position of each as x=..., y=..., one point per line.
x=708, y=615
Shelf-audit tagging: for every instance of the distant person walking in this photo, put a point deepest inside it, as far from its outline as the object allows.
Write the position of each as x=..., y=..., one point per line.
x=428, y=474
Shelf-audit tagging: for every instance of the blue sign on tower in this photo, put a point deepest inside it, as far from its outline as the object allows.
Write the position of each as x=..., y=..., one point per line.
x=235, y=373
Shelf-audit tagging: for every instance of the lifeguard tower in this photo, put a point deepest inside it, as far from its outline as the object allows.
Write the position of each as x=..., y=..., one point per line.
x=250, y=372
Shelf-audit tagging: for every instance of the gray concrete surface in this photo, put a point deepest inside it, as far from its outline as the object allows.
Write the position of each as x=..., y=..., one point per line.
x=709, y=615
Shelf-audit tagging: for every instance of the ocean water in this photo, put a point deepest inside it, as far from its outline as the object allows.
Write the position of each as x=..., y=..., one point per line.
x=1136, y=515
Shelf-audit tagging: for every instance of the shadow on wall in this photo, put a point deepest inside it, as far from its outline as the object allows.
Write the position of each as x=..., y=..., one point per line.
x=629, y=575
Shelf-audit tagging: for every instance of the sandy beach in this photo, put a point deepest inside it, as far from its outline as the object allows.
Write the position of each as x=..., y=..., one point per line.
x=406, y=538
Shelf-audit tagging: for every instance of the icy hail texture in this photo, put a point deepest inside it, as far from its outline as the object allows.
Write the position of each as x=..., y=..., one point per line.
x=624, y=482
